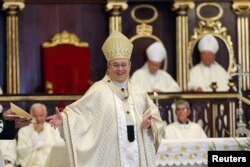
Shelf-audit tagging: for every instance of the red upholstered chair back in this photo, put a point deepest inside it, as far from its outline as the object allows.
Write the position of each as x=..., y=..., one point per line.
x=66, y=64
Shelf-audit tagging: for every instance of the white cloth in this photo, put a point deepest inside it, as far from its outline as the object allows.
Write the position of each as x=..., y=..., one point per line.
x=33, y=148
x=156, y=52
x=94, y=127
x=202, y=76
x=176, y=130
x=161, y=80
x=8, y=149
x=208, y=43
x=194, y=152
x=128, y=150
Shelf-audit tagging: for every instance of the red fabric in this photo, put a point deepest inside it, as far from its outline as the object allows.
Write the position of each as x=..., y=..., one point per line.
x=67, y=67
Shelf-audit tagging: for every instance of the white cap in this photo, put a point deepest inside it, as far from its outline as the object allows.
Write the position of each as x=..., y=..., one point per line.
x=156, y=52
x=208, y=43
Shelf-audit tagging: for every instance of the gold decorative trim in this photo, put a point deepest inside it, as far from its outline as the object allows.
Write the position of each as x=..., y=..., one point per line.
x=143, y=30
x=10, y=3
x=214, y=27
x=65, y=38
x=115, y=8
x=182, y=6
x=217, y=17
x=136, y=19
x=49, y=87
x=241, y=7
x=12, y=52
x=114, y=4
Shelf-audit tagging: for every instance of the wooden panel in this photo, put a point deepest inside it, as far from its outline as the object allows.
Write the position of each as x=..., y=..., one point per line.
x=2, y=51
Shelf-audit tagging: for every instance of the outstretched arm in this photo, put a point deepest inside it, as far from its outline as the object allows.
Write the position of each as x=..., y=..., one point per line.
x=55, y=120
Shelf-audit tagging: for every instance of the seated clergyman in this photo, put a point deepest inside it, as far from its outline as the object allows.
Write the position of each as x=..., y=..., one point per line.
x=183, y=128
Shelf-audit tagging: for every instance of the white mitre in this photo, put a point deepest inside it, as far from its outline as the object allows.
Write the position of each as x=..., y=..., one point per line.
x=208, y=43
x=156, y=52
x=117, y=46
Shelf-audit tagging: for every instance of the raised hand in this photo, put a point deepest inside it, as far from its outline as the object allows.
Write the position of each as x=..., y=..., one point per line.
x=55, y=120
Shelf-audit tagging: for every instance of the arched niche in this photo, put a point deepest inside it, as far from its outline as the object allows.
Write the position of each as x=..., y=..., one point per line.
x=211, y=25
x=144, y=36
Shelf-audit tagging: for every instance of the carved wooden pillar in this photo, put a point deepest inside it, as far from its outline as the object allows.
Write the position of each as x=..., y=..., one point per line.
x=12, y=7
x=181, y=7
x=115, y=8
x=242, y=10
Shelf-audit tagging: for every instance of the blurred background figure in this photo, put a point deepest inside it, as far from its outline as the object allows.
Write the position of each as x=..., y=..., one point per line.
x=150, y=76
x=36, y=140
x=183, y=128
x=9, y=152
x=208, y=71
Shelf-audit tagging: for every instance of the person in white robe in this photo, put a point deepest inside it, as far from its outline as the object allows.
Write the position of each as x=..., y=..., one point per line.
x=115, y=124
x=9, y=152
x=208, y=71
x=183, y=128
x=7, y=147
x=36, y=140
x=150, y=76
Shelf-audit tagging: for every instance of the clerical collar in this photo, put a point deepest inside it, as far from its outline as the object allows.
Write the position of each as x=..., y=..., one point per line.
x=207, y=67
x=122, y=85
x=183, y=125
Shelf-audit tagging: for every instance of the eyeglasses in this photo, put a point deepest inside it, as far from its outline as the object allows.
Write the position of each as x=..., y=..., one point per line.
x=182, y=109
x=117, y=65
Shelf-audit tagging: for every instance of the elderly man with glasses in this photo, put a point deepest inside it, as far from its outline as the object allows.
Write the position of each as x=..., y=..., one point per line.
x=183, y=128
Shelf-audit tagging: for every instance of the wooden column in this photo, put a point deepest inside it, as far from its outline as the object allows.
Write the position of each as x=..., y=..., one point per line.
x=242, y=10
x=182, y=7
x=115, y=8
x=12, y=7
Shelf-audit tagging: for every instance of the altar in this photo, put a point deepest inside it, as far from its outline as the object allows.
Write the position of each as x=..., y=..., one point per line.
x=174, y=152
x=194, y=152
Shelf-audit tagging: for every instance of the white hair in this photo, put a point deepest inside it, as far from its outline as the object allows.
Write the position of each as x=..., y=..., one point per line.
x=38, y=105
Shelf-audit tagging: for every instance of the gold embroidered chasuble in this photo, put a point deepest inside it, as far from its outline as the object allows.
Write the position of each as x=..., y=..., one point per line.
x=90, y=127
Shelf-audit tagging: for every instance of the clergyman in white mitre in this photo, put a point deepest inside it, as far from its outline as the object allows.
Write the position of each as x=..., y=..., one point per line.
x=115, y=123
x=150, y=76
x=208, y=71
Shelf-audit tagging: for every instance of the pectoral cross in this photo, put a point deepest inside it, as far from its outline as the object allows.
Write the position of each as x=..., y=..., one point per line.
x=241, y=126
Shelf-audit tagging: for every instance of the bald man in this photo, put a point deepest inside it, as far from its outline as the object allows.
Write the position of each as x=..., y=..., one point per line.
x=150, y=77
x=208, y=71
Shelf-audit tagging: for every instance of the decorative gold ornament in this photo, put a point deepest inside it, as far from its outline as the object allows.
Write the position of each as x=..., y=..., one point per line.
x=13, y=3
x=214, y=18
x=65, y=38
x=241, y=6
x=145, y=6
x=116, y=46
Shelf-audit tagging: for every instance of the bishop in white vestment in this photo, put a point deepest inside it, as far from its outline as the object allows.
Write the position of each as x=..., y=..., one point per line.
x=115, y=124
x=150, y=77
x=208, y=71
